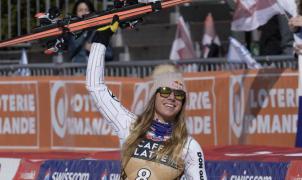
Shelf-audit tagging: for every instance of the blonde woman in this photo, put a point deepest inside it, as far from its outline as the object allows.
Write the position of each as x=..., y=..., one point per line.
x=155, y=145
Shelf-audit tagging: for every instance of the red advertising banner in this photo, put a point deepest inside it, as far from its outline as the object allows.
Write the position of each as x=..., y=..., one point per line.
x=263, y=108
x=75, y=119
x=19, y=110
x=201, y=109
x=223, y=108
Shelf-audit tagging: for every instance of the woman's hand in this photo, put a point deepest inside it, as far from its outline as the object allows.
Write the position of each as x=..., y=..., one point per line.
x=294, y=23
x=87, y=46
x=298, y=49
x=103, y=34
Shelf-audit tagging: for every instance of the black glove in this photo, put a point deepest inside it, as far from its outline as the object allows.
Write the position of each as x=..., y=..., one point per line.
x=103, y=34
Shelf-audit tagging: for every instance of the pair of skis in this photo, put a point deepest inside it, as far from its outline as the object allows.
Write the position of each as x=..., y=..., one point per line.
x=66, y=25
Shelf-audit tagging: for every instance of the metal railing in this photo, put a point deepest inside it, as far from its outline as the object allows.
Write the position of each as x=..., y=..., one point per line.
x=144, y=68
x=17, y=16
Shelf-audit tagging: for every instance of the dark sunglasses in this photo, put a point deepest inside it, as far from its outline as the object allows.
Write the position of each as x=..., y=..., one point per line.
x=166, y=91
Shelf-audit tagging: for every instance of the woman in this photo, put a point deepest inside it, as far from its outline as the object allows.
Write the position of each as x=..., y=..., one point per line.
x=79, y=45
x=155, y=144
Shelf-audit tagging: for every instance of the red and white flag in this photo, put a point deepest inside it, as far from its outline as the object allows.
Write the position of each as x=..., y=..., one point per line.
x=239, y=54
x=182, y=47
x=23, y=61
x=250, y=14
x=210, y=40
x=289, y=6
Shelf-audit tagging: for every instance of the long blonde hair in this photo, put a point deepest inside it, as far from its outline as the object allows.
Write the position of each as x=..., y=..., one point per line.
x=173, y=147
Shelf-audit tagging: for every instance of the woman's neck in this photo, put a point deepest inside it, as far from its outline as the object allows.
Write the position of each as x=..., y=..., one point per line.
x=161, y=119
x=159, y=131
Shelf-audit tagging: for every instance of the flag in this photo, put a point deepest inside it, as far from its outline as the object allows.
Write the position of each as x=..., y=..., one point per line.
x=239, y=54
x=250, y=14
x=182, y=47
x=289, y=6
x=23, y=61
x=210, y=41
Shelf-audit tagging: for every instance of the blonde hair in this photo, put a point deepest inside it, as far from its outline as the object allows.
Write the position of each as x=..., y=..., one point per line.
x=173, y=147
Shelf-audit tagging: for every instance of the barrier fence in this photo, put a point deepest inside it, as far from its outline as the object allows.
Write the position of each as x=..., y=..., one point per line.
x=144, y=68
x=230, y=162
x=224, y=108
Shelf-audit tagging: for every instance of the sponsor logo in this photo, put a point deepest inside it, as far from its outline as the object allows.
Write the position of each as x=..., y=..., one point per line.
x=67, y=111
x=236, y=105
x=178, y=85
x=19, y=114
x=112, y=95
x=245, y=176
x=114, y=176
x=66, y=175
x=59, y=108
x=201, y=166
x=147, y=150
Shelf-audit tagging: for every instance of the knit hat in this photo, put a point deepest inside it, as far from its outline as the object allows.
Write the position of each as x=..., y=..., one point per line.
x=167, y=76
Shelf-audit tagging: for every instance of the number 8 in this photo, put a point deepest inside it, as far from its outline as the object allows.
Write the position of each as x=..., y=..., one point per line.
x=143, y=174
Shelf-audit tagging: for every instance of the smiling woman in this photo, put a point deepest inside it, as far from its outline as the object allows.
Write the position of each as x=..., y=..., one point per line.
x=155, y=145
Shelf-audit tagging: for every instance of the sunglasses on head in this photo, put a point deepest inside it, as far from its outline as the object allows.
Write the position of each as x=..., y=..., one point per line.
x=166, y=91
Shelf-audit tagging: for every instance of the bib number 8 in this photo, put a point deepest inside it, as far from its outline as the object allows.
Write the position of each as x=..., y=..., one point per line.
x=143, y=174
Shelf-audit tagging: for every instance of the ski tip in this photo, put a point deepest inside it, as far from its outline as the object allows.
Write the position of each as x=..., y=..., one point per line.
x=50, y=51
x=40, y=15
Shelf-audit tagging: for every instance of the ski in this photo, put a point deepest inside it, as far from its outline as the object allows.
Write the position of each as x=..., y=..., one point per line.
x=126, y=13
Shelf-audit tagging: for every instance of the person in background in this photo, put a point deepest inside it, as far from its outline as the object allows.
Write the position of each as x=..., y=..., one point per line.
x=276, y=37
x=210, y=44
x=272, y=38
x=156, y=144
x=295, y=24
x=79, y=45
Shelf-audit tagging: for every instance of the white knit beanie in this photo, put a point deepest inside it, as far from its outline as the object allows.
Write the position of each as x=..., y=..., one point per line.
x=167, y=76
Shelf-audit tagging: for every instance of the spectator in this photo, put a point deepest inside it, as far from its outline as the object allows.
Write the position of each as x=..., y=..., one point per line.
x=79, y=45
x=275, y=37
x=211, y=46
x=295, y=24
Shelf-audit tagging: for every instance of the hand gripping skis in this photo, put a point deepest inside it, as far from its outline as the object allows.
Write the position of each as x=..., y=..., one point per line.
x=60, y=27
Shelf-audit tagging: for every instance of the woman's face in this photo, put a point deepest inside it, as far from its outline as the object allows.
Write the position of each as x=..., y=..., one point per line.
x=166, y=108
x=82, y=9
